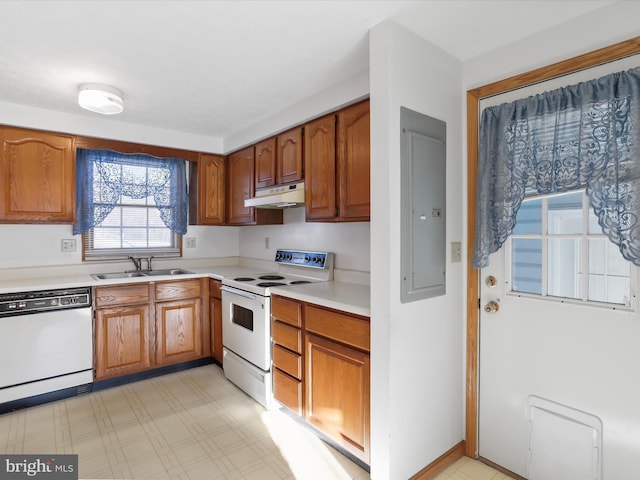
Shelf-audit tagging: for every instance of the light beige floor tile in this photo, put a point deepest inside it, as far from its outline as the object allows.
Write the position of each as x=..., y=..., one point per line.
x=192, y=425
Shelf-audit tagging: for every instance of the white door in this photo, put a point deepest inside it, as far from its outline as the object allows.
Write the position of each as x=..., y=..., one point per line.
x=580, y=354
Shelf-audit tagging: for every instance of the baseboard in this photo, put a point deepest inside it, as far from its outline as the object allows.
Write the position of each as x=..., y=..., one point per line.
x=503, y=470
x=441, y=463
x=146, y=374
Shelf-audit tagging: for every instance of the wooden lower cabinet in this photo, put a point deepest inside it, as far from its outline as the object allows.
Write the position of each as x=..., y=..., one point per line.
x=321, y=370
x=178, y=331
x=337, y=393
x=148, y=325
x=122, y=330
x=122, y=340
x=215, y=311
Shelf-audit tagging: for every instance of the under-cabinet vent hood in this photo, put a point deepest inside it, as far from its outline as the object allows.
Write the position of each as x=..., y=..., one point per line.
x=281, y=196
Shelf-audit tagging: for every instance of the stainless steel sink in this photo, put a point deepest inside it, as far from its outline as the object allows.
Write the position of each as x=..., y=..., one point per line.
x=166, y=271
x=141, y=273
x=109, y=276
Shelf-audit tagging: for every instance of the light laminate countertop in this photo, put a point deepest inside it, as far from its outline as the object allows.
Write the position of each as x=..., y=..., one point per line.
x=348, y=297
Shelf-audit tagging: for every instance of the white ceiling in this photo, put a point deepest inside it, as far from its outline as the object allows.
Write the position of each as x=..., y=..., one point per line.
x=215, y=67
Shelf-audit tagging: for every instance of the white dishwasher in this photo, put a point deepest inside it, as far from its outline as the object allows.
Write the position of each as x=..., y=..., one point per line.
x=46, y=344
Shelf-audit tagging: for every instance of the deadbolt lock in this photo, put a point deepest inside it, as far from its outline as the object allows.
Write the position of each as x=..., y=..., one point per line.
x=491, y=281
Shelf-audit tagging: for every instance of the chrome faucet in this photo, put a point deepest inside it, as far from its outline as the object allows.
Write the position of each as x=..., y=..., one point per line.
x=148, y=259
x=137, y=262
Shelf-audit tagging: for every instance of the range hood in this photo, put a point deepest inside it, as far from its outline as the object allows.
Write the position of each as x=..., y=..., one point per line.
x=281, y=196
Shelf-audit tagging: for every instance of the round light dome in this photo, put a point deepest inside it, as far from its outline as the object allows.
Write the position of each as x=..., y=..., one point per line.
x=100, y=99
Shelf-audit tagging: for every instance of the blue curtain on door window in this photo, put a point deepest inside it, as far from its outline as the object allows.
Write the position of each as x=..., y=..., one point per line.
x=104, y=176
x=581, y=136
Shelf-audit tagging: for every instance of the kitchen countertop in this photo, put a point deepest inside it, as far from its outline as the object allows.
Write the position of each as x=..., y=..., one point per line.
x=349, y=297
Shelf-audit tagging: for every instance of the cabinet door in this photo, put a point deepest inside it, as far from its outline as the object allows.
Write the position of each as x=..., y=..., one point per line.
x=354, y=163
x=240, y=187
x=211, y=188
x=265, y=153
x=216, y=328
x=178, y=331
x=337, y=393
x=289, y=158
x=320, y=168
x=37, y=177
x=122, y=340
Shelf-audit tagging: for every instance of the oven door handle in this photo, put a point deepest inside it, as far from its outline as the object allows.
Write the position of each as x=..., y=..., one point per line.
x=235, y=291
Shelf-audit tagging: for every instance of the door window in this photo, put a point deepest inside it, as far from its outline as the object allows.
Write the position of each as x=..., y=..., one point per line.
x=558, y=250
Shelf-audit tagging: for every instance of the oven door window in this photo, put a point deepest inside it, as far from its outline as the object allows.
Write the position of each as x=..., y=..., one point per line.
x=242, y=316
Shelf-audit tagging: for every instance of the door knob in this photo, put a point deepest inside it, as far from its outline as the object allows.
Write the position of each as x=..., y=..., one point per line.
x=491, y=307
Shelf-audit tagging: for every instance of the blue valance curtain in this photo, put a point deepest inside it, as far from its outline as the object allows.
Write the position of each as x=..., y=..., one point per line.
x=103, y=176
x=581, y=136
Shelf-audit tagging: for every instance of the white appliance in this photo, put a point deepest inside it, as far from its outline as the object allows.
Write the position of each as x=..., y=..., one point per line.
x=246, y=317
x=280, y=196
x=46, y=344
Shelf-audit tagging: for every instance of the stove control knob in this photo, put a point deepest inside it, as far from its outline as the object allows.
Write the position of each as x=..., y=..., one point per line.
x=307, y=258
x=289, y=256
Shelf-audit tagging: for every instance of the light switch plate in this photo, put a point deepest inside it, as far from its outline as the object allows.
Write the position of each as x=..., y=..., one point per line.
x=456, y=252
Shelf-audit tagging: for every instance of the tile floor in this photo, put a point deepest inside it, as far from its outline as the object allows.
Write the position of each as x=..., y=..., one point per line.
x=191, y=425
x=468, y=469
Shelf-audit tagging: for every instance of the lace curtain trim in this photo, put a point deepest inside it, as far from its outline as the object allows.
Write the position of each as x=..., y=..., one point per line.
x=581, y=136
x=103, y=177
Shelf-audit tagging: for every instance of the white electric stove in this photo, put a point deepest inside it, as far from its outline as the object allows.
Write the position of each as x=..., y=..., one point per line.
x=246, y=317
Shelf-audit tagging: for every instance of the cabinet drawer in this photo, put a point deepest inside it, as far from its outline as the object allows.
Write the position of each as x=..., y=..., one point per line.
x=214, y=288
x=122, y=295
x=347, y=329
x=287, y=336
x=287, y=311
x=287, y=361
x=287, y=391
x=178, y=290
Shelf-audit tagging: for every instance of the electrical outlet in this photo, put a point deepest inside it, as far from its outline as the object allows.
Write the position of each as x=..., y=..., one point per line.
x=68, y=245
x=190, y=242
x=456, y=252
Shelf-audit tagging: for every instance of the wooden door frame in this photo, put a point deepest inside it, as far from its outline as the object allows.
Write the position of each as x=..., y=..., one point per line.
x=597, y=57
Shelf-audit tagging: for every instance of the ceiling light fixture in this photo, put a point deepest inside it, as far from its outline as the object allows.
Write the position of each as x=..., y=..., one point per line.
x=100, y=98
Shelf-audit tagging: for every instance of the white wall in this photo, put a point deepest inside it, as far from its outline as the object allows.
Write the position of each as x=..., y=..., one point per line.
x=349, y=241
x=416, y=348
x=40, y=245
x=331, y=99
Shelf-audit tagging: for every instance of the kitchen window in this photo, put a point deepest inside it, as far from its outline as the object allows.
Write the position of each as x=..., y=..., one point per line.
x=557, y=249
x=130, y=204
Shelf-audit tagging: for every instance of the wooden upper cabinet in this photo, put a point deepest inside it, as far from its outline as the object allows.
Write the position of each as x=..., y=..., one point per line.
x=211, y=189
x=353, y=157
x=337, y=166
x=37, y=177
x=289, y=157
x=265, y=155
x=240, y=186
x=320, y=168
